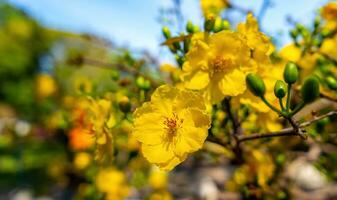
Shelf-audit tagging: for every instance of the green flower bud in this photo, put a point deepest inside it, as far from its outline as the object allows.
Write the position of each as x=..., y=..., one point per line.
x=317, y=22
x=294, y=33
x=332, y=83
x=142, y=83
x=290, y=73
x=196, y=29
x=166, y=32
x=209, y=23
x=180, y=60
x=124, y=104
x=255, y=84
x=280, y=89
x=190, y=27
x=310, y=89
x=226, y=25
x=218, y=25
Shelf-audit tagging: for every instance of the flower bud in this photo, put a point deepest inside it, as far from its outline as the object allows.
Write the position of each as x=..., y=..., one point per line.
x=143, y=83
x=226, y=25
x=280, y=89
x=290, y=73
x=218, y=25
x=166, y=32
x=294, y=33
x=190, y=27
x=310, y=89
x=124, y=104
x=255, y=84
x=332, y=83
x=209, y=23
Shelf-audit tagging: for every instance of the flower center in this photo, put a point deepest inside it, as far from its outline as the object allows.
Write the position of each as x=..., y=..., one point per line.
x=221, y=64
x=172, y=124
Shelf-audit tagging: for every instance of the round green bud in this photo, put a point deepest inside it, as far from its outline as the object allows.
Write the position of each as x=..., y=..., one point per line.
x=226, y=25
x=280, y=89
x=124, y=104
x=310, y=89
x=166, y=32
x=331, y=82
x=142, y=83
x=255, y=84
x=190, y=27
x=196, y=29
x=209, y=23
x=317, y=21
x=218, y=25
x=290, y=73
x=294, y=33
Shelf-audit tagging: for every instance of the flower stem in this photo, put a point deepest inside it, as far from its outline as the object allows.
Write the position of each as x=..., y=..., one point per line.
x=288, y=98
x=271, y=106
x=281, y=104
x=298, y=108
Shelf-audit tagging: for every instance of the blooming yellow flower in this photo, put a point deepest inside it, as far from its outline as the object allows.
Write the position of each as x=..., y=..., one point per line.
x=217, y=65
x=113, y=183
x=259, y=43
x=213, y=6
x=173, y=124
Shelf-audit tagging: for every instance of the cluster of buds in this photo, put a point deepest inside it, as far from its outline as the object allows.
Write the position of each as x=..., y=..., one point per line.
x=309, y=89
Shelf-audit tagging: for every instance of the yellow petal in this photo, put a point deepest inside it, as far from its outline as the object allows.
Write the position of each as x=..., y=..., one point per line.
x=233, y=83
x=198, y=80
x=149, y=129
x=167, y=166
x=157, y=153
x=190, y=140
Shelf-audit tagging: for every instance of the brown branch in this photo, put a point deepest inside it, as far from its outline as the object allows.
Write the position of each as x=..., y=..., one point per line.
x=286, y=131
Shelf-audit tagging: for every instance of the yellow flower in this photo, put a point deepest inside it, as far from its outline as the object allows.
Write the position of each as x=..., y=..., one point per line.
x=161, y=195
x=329, y=47
x=259, y=43
x=291, y=53
x=45, y=85
x=217, y=65
x=82, y=160
x=113, y=183
x=173, y=124
x=213, y=6
x=102, y=120
x=329, y=11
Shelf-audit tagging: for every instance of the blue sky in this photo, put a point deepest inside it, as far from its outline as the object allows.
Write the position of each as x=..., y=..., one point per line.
x=132, y=23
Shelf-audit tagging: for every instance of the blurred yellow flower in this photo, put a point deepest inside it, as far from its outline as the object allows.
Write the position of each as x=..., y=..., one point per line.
x=82, y=160
x=158, y=179
x=329, y=47
x=173, y=124
x=45, y=85
x=329, y=11
x=102, y=119
x=113, y=183
x=290, y=53
x=213, y=6
x=161, y=195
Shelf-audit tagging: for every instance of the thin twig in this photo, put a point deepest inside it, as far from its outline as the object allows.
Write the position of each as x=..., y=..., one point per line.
x=286, y=131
